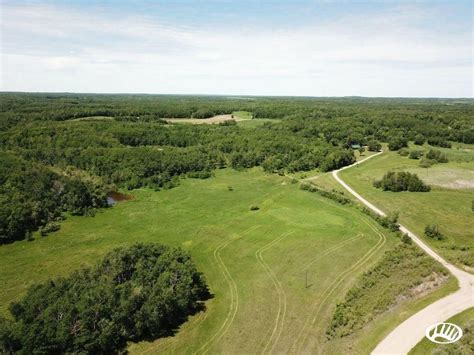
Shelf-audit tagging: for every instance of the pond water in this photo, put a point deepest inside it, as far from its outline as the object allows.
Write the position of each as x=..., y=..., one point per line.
x=114, y=197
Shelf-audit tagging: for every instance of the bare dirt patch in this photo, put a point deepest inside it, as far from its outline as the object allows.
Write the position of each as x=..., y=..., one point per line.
x=210, y=120
x=460, y=184
x=450, y=178
x=429, y=284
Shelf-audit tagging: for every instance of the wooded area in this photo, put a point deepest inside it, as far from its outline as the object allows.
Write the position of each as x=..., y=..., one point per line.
x=52, y=164
x=141, y=292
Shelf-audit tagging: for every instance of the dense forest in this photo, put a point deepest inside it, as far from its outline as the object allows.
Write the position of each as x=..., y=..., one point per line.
x=58, y=157
x=140, y=292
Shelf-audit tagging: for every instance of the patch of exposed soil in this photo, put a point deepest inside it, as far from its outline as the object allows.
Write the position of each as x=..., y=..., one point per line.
x=429, y=284
x=210, y=120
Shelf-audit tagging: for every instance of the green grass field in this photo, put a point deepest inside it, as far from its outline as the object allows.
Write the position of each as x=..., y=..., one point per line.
x=255, y=261
x=276, y=273
x=449, y=208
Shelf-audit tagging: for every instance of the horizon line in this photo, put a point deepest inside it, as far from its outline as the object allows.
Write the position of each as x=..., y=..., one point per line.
x=235, y=95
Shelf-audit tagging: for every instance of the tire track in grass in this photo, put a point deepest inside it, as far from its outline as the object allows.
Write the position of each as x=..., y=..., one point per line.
x=381, y=238
x=333, y=286
x=234, y=296
x=280, y=318
x=332, y=249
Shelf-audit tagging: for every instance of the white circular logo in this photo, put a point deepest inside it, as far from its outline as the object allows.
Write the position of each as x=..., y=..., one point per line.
x=444, y=333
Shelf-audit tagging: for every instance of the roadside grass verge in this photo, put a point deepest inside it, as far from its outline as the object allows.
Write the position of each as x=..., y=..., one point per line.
x=465, y=345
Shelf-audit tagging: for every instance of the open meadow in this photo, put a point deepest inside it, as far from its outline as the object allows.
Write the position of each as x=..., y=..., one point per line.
x=448, y=205
x=275, y=273
x=255, y=261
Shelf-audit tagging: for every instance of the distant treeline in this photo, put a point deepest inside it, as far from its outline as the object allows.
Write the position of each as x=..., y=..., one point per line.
x=438, y=120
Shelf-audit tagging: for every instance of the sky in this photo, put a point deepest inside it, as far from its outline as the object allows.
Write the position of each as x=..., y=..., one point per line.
x=378, y=48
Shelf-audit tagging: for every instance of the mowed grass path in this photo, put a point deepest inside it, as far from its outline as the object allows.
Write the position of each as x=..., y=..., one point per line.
x=450, y=209
x=255, y=262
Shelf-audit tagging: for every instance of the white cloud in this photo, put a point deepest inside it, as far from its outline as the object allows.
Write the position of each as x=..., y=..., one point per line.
x=58, y=49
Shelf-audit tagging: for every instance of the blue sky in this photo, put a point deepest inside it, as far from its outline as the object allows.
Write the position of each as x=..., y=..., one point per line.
x=309, y=48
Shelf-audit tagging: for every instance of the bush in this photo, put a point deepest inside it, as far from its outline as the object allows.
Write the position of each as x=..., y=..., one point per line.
x=415, y=154
x=439, y=142
x=203, y=174
x=404, y=152
x=374, y=146
x=397, y=143
x=426, y=163
x=49, y=228
x=390, y=221
x=436, y=156
x=333, y=195
x=231, y=122
x=433, y=232
x=419, y=139
x=406, y=239
x=401, y=181
x=140, y=292
x=254, y=208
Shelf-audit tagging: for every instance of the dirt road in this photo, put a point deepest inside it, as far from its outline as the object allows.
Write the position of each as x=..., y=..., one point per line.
x=404, y=337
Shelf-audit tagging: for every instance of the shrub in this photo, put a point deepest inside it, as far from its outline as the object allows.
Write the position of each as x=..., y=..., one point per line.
x=415, y=154
x=231, y=122
x=49, y=228
x=403, y=152
x=140, y=292
x=254, y=208
x=203, y=174
x=419, y=139
x=333, y=195
x=401, y=181
x=374, y=146
x=380, y=288
x=406, y=239
x=436, y=156
x=397, y=143
x=439, y=142
x=432, y=231
x=390, y=221
x=426, y=163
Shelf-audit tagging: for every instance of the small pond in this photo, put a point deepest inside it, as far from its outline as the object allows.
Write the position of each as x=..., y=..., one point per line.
x=114, y=197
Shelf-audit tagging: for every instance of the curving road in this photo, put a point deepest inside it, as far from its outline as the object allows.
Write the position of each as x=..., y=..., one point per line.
x=404, y=337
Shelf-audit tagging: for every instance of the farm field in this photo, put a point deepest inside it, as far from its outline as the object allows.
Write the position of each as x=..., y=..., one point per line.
x=448, y=204
x=236, y=116
x=255, y=261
